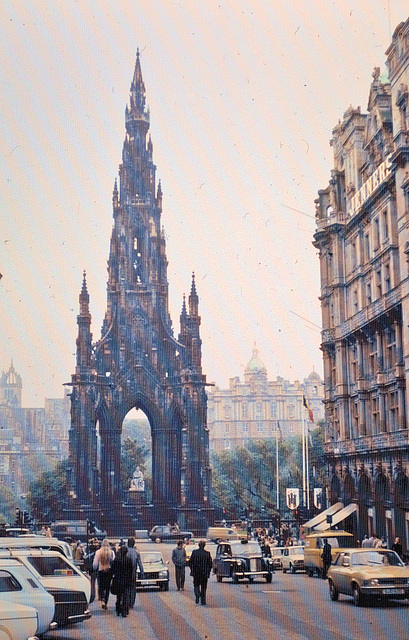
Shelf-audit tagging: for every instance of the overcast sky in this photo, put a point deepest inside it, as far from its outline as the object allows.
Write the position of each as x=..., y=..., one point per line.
x=243, y=97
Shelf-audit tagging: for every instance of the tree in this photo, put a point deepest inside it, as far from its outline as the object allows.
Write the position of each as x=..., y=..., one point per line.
x=47, y=495
x=32, y=466
x=9, y=502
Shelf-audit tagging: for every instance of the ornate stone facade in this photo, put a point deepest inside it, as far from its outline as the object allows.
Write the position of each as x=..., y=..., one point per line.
x=363, y=237
x=138, y=363
x=251, y=410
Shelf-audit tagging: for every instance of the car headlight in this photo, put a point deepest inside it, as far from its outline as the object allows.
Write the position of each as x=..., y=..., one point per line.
x=163, y=574
x=374, y=581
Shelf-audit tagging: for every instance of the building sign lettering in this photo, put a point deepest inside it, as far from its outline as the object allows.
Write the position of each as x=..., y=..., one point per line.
x=370, y=186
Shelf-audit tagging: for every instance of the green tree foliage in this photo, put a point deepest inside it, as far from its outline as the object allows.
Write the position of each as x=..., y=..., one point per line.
x=9, y=502
x=32, y=466
x=244, y=479
x=133, y=455
x=48, y=494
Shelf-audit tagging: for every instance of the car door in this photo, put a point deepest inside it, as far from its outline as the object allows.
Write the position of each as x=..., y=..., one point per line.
x=225, y=560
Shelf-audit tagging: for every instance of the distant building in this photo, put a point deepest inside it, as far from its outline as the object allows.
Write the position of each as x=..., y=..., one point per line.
x=363, y=239
x=25, y=431
x=253, y=409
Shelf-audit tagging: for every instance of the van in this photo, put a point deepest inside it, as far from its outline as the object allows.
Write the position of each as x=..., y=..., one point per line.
x=72, y=530
x=314, y=543
x=293, y=559
x=221, y=534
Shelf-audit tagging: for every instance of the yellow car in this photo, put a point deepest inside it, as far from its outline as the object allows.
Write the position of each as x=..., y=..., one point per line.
x=368, y=573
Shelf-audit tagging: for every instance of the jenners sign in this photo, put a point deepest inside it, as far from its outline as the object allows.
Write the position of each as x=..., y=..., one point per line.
x=371, y=185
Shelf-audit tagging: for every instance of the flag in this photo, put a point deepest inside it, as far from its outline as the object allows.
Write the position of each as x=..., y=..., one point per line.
x=307, y=406
x=280, y=433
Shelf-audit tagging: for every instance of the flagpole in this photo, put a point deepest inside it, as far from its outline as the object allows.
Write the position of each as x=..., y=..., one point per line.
x=278, y=480
x=307, y=465
x=303, y=463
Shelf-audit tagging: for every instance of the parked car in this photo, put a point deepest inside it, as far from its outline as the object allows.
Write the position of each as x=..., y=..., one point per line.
x=368, y=573
x=242, y=559
x=169, y=533
x=293, y=559
x=70, y=588
x=32, y=541
x=276, y=556
x=17, y=621
x=155, y=571
x=314, y=543
x=18, y=585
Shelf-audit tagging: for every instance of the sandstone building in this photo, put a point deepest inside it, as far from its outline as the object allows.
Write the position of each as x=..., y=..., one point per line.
x=362, y=234
x=251, y=410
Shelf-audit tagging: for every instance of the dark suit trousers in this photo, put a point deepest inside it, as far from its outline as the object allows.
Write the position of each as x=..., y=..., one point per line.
x=200, y=586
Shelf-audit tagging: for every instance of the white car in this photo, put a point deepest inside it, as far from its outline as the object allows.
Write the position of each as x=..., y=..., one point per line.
x=19, y=586
x=17, y=622
x=32, y=541
x=70, y=588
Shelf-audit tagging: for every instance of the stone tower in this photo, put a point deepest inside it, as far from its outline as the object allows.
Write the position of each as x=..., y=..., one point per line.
x=138, y=363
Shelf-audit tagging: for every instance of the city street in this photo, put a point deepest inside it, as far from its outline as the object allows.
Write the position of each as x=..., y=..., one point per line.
x=293, y=607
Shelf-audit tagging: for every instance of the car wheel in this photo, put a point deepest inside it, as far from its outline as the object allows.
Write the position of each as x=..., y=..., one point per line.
x=219, y=578
x=284, y=570
x=235, y=577
x=310, y=573
x=333, y=591
x=251, y=580
x=356, y=595
x=269, y=578
x=158, y=540
x=164, y=586
x=292, y=568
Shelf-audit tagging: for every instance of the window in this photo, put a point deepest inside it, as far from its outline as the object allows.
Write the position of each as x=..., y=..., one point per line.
x=376, y=234
x=291, y=411
x=273, y=410
x=244, y=410
x=355, y=301
x=375, y=414
x=245, y=427
x=8, y=582
x=227, y=444
x=366, y=247
x=372, y=356
x=227, y=427
x=378, y=284
x=226, y=412
x=391, y=348
x=259, y=427
x=387, y=278
x=259, y=410
x=354, y=363
x=385, y=225
x=51, y=566
x=353, y=256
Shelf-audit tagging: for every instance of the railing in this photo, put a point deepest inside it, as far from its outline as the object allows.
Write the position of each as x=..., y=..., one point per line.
x=364, y=444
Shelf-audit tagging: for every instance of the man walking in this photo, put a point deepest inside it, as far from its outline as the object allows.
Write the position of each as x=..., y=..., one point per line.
x=179, y=560
x=135, y=556
x=200, y=568
x=326, y=558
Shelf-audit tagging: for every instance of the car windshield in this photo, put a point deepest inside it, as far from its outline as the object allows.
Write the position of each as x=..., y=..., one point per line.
x=296, y=550
x=51, y=566
x=151, y=557
x=343, y=542
x=276, y=552
x=376, y=558
x=249, y=549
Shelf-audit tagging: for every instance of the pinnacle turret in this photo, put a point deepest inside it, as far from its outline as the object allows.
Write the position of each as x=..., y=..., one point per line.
x=138, y=88
x=193, y=299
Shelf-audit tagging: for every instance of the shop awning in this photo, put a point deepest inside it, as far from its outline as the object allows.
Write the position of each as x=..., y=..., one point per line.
x=338, y=517
x=321, y=517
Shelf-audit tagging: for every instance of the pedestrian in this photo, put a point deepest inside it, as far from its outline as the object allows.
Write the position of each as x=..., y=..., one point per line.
x=122, y=572
x=365, y=542
x=179, y=560
x=326, y=558
x=397, y=547
x=200, y=567
x=103, y=560
x=135, y=556
x=89, y=566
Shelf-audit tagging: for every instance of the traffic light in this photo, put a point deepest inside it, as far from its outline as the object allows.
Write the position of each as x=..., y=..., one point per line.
x=26, y=518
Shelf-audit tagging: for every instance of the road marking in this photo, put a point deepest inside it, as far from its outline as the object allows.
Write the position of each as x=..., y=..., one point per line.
x=228, y=623
x=272, y=591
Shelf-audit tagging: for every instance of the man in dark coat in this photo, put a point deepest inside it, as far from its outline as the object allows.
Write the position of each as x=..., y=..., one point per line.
x=135, y=556
x=122, y=571
x=326, y=558
x=200, y=567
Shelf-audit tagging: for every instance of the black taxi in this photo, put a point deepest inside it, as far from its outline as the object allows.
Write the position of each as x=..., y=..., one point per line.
x=242, y=559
